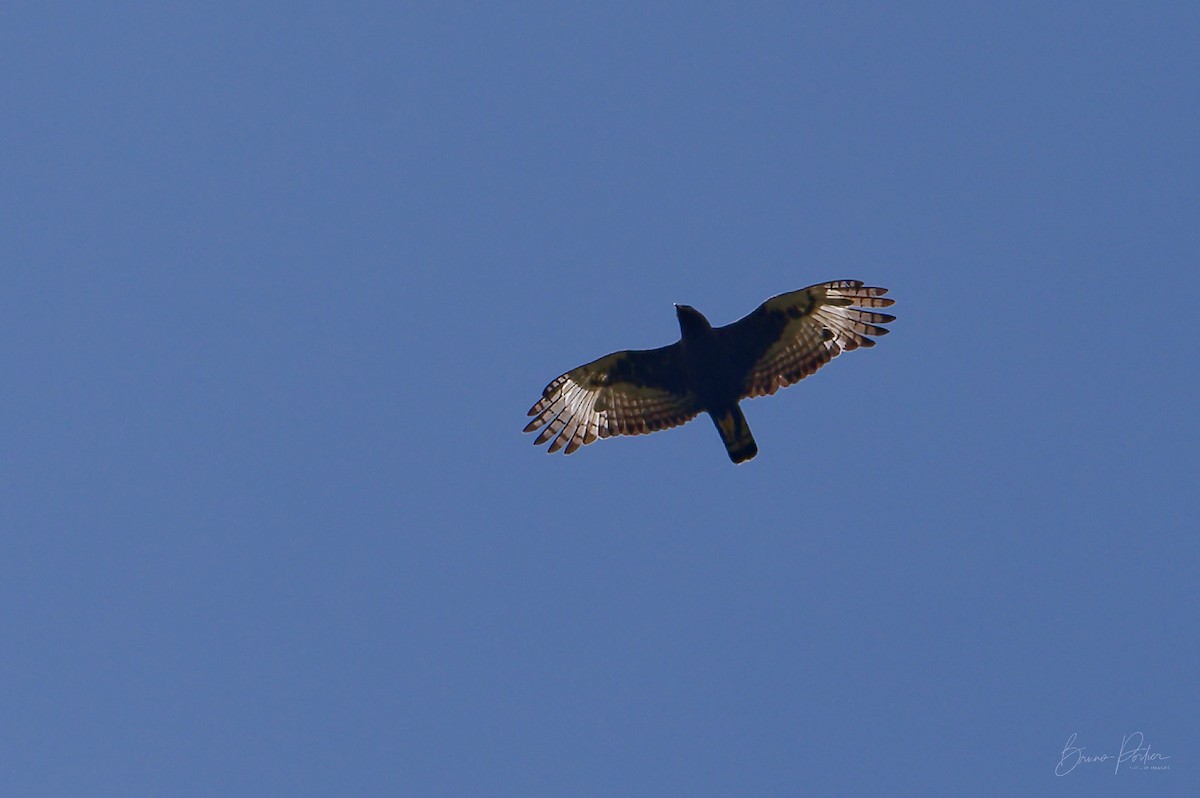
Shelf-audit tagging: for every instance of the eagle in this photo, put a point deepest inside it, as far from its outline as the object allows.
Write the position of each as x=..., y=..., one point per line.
x=710, y=369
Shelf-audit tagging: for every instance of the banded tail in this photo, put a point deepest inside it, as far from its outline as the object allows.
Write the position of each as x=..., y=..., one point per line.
x=739, y=443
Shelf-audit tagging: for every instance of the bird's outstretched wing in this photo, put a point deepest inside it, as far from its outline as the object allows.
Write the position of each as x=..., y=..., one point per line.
x=625, y=393
x=792, y=335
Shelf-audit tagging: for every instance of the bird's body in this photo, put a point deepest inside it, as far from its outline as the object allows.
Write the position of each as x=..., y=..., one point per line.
x=710, y=369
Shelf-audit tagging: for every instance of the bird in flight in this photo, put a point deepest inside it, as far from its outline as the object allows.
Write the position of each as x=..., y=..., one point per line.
x=710, y=369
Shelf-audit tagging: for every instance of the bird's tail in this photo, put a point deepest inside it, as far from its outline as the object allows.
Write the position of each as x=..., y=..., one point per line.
x=735, y=433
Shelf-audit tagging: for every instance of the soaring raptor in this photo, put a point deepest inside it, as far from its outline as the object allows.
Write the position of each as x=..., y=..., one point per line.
x=710, y=369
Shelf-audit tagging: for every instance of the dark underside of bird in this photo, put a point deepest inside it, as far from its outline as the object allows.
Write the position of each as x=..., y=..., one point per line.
x=710, y=369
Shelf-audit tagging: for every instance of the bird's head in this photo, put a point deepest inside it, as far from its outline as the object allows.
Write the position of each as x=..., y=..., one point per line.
x=691, y=321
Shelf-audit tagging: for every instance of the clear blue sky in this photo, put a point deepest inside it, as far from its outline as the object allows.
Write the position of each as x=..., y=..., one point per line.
x=281, y=281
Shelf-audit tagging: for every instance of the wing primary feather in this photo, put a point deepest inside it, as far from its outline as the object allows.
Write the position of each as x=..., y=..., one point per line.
x=575, y=413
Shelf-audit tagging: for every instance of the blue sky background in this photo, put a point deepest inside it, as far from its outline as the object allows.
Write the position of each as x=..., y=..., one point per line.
x=281, y=281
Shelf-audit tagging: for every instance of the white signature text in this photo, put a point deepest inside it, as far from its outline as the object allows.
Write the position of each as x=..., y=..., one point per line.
x=1135, y=753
